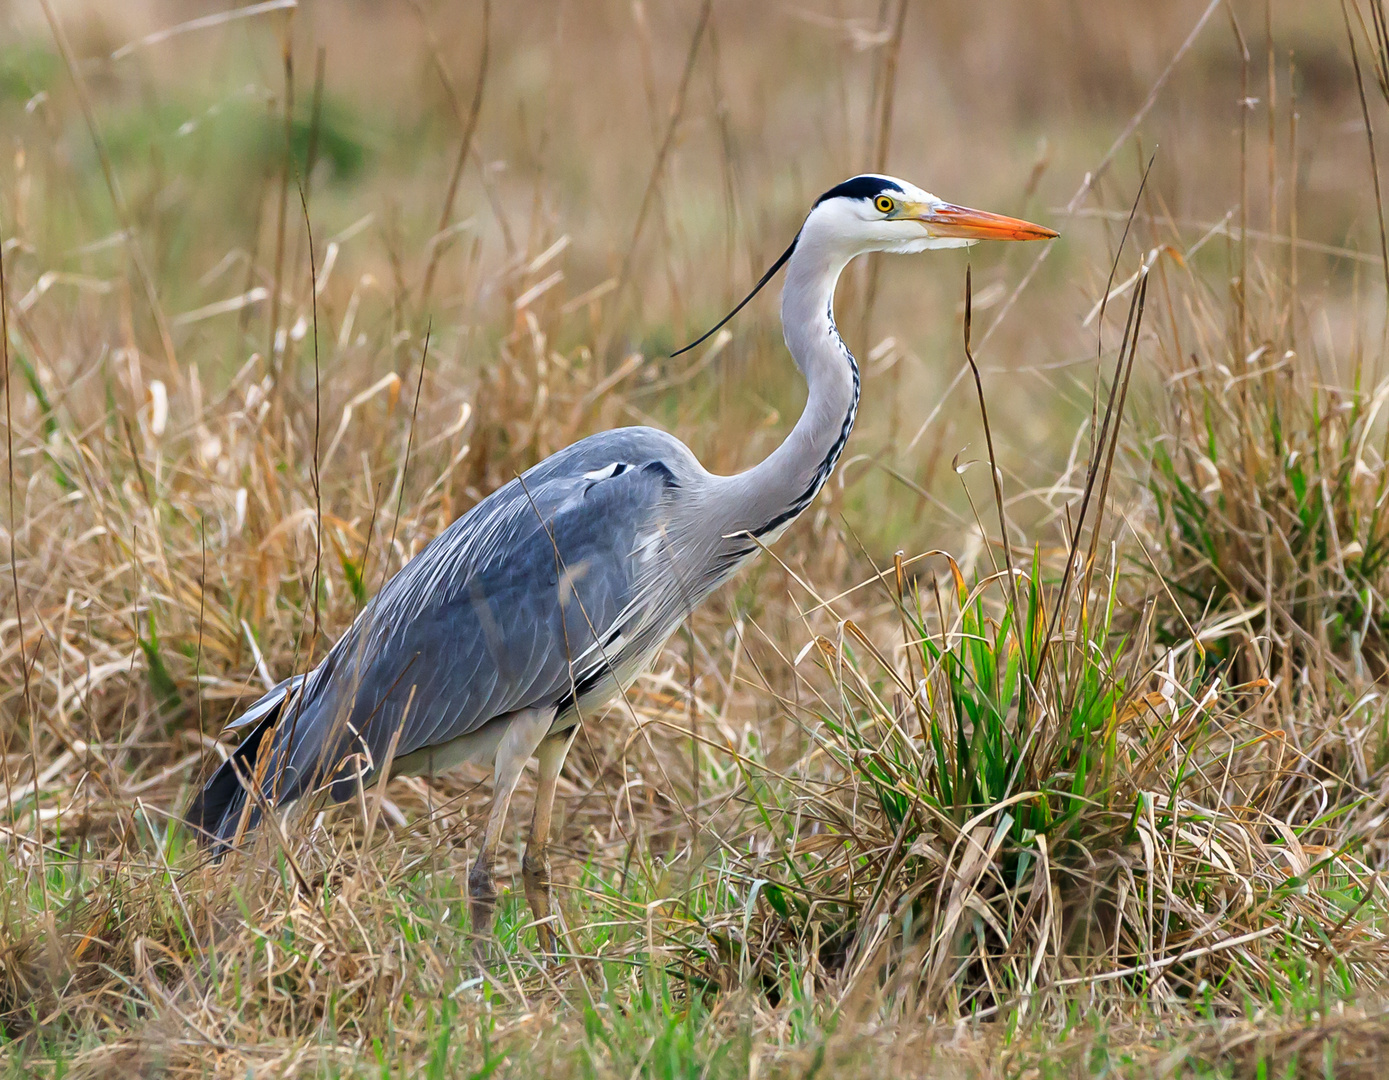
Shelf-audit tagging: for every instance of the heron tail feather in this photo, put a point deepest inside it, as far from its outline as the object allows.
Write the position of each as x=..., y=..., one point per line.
x=215, y=811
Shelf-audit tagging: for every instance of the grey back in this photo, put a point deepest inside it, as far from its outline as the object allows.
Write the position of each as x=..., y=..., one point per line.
x=518, y=604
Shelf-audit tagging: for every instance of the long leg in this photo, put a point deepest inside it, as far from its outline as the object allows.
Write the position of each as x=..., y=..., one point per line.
x=524, y=733
x=535, y=864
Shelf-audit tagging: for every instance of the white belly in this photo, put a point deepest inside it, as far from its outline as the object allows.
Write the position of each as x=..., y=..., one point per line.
x=477, y=747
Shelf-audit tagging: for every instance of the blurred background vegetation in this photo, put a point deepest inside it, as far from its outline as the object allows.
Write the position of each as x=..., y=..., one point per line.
x=1006, y=109
x=290, y=287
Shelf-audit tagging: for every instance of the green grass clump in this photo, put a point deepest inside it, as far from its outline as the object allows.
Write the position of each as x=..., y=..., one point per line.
x=1043, y=794
x=1018, y=823
x=1272, y=496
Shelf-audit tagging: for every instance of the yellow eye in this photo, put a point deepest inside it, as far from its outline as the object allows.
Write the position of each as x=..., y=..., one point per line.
x=884, y=204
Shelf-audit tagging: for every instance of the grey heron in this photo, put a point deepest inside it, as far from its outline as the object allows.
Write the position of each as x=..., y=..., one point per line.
x=547, y=599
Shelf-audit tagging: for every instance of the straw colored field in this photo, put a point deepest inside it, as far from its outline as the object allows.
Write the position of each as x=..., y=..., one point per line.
x=1088, y=778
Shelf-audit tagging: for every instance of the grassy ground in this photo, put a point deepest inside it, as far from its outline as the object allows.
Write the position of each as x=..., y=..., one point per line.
x=1085, y=775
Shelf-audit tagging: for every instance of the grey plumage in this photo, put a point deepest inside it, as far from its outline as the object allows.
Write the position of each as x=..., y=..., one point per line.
x=558, y=589
x=547, y=593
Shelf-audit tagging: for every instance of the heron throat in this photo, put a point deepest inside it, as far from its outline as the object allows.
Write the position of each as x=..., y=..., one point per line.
x=776, y=491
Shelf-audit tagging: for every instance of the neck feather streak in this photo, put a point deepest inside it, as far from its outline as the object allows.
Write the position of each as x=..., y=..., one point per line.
x=836, y=448
x=774, y=492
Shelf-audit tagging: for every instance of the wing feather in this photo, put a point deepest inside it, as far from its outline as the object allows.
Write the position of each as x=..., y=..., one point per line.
x=490, y=617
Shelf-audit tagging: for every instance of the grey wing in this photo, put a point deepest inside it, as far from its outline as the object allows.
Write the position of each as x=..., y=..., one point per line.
x=514, y=606
x=271, y=700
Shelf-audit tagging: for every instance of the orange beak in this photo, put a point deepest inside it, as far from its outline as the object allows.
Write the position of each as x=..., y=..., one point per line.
x=943, y=219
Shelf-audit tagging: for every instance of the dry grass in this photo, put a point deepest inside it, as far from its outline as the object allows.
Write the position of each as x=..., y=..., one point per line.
x=1102, y=790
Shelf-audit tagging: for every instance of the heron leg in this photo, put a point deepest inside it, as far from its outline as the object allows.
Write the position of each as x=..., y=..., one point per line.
x=535, y=864
x=524, y=732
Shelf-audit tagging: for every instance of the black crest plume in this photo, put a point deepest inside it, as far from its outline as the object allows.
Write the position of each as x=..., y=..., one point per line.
x=743, y=302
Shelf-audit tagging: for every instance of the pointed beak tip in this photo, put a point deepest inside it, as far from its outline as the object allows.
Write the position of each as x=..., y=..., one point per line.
x=964, y=222
x=1028, y=231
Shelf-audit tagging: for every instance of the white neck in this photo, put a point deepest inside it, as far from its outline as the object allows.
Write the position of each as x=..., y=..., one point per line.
x=771, y=494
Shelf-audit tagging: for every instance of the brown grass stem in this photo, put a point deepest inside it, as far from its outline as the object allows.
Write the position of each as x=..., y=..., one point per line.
x=1092, y=177
x=113, y=188
x=995, y=474
x=886, y=97
x=278, y=358
x=658, y=167
x=13, y=529
x=465, y=145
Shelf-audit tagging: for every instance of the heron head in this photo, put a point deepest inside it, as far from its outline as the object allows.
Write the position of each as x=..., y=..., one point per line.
x=881, y=213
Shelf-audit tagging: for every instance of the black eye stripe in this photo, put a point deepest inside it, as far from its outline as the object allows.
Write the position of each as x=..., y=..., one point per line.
x=860, y=187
